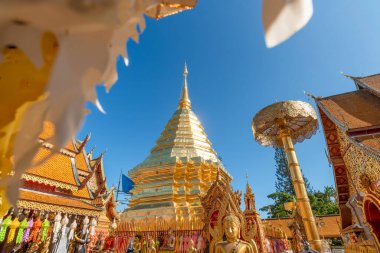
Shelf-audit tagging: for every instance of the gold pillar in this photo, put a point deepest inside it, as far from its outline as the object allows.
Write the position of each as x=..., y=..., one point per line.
x=300, y=190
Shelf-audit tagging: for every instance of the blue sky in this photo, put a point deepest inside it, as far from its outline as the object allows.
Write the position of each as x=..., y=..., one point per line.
x=232, y=75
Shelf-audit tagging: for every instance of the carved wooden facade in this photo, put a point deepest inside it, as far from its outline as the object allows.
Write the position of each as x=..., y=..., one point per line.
x=351, y=125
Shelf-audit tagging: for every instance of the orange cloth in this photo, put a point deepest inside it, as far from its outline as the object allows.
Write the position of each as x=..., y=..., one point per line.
x=36, y=228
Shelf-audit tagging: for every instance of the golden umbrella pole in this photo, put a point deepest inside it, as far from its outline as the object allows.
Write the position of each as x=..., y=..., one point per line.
x=279, y=125
x=300, y=190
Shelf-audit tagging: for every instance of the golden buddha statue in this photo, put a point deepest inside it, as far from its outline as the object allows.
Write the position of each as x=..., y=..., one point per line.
x=191, y=248
x=231, y=227
x=151, y=245
x=136, y=245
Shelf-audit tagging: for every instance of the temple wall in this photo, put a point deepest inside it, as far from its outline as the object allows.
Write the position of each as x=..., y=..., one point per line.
x=360, y=164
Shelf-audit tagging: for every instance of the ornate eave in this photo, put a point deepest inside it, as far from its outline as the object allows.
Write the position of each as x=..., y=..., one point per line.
x=54, y=203
x=340, y=170
x=47, y=181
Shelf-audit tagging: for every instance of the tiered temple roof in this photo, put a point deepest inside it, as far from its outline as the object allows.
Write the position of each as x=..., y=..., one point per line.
x=68, y=180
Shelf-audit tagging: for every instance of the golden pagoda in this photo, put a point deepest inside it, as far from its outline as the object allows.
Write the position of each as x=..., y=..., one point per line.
x=180, y=168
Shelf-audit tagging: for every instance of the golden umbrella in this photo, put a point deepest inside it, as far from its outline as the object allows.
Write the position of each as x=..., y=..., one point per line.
x=281, y=125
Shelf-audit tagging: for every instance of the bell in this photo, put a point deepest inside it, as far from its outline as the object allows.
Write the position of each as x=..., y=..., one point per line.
x=166, y=8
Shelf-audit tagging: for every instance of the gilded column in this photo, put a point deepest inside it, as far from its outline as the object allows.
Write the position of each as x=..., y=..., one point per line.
x=300, y=190
x=281, y=125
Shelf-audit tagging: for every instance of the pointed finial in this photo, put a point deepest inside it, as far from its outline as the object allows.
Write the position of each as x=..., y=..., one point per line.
x=184, y=102
x=185, y=71
x=312, y=96
x=348, y=76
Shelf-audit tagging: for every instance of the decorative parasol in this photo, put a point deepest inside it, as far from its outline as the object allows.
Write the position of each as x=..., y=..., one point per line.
x=280, y=125
x=298, y=117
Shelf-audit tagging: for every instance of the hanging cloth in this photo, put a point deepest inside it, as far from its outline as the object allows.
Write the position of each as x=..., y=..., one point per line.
x=45, y=226
x=4, y=227
x=21, y=229
x=36, y=227
x=73, y=226
x=93, y=225
x=12, y=230
x=64, y=223
x=57, y=223
x=25, y=238
x=85, y=224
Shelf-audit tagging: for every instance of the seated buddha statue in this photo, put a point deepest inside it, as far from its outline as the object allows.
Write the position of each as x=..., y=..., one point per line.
x=231, y=227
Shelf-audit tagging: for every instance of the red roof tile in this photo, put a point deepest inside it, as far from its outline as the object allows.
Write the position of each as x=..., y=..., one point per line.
x=354, y=110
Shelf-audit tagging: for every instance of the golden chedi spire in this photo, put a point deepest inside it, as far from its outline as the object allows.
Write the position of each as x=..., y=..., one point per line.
x=184, y=102
x=183, y=136
x=180, y=167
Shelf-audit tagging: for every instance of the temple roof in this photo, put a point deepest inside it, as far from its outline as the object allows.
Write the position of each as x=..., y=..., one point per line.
x=54, y=203
x=66, y=177
x=182, y=138
x=372, y=83
x=357, y=113
x=352, y=110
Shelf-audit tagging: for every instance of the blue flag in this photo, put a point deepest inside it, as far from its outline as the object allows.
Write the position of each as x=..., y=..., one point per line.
x=126, y=184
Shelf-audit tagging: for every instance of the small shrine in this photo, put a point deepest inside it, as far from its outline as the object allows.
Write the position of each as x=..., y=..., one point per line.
x=221, y=201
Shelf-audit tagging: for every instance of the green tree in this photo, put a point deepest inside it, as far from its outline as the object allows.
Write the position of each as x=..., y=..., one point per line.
x=322, y=202
x=283, y=177
x=277, y=209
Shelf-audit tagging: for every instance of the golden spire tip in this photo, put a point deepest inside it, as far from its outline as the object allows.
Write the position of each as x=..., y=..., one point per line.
x=185, y=71
x=185, y=101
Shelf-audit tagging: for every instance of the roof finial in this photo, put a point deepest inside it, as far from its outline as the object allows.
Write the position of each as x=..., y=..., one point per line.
x=184, y=102
x=185, y=72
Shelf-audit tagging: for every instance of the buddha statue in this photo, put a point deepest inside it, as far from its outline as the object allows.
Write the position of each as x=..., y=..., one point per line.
x=191, y=248
x=231, y=227
x=170, y=243
x=136, y=245
x=98, y=244
x=151, y=245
